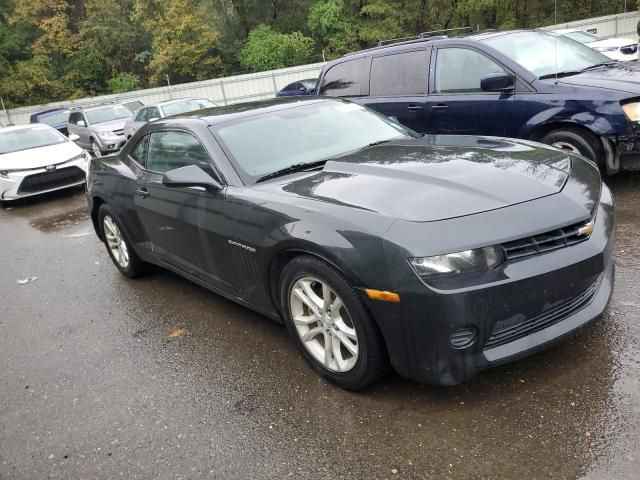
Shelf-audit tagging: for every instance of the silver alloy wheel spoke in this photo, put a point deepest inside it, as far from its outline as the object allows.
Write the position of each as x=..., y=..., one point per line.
x=323, y=324
x=115, y=242
x=565, y=146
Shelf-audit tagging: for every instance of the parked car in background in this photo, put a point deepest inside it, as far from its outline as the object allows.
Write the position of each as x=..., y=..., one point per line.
x=440, y=255
x=622, y=49
x=55, y=117
x=301, y=87
x=100, y=128
x=505, y=84
x=164, y=109
x=36, y=159
x=132, y=105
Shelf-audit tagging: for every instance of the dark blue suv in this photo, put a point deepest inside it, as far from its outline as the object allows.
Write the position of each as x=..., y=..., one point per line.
x=523, y=84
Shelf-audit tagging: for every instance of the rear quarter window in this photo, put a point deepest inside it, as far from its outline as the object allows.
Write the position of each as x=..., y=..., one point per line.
x=343, y=79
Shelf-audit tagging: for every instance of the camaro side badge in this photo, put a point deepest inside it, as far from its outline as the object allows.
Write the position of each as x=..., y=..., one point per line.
x=247, y=248
x=586, y=230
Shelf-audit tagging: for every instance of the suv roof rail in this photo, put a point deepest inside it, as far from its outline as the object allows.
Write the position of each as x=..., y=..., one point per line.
x=91, y=105
x=424, y=36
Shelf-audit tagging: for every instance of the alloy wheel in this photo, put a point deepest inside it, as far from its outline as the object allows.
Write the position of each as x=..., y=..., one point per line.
x=566, y=146
x=96, y=150
x=115, y=242
x=324, y=324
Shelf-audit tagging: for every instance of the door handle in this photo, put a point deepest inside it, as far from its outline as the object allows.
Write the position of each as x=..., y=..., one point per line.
x=415, y=108
x=440, y=107
x=142, y=192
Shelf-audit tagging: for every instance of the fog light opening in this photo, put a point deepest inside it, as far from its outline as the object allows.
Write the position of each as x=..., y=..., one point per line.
x=463, y=338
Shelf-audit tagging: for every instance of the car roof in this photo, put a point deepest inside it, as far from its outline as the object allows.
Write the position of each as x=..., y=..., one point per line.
x=176, y=100
x=51, y=110
x=218, y=115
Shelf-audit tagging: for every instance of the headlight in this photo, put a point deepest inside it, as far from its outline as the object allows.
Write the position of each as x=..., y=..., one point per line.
x=605, y=49
x=83, y=156
x=468, y=261
x=109, y=136
x=632, y=111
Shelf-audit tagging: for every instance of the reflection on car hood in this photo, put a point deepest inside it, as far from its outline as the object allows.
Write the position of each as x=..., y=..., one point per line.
x=623, y=76
x=435, y=177
x=110, y=126
x=39, y=157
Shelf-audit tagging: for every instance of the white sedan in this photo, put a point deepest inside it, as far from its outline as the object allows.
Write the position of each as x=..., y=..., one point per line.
x=621, y=49
x=36, y=159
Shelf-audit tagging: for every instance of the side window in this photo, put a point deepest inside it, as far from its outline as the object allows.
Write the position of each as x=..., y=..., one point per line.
x=142, y=115
x=74, y=117
x=139, y=152
x=459, y=70
x=343, y=79
x=152, y=112
x=400, y=74
x=170, y=150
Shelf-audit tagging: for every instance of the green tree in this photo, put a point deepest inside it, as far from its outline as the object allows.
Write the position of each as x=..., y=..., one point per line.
x=267, y=49
x=124, y=82
x=31, y=82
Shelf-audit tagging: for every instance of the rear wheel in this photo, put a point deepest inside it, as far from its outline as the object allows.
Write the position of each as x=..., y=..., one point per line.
x=330, y=325
x=577, y=141
x=122, y=254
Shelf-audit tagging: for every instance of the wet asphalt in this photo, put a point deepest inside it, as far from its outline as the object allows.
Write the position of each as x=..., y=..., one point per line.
x=106, y=377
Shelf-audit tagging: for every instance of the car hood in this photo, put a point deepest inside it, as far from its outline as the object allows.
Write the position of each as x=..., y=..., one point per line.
x=435, y=177
x=39, y=157
x=623, y=76
x=612, y=42
x=110, y=126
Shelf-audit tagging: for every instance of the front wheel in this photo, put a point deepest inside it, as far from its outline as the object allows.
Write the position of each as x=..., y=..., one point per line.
x=95, y=149
x=577, y=141
x=330, y=325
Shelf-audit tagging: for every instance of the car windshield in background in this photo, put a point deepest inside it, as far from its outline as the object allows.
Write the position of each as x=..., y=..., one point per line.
x=537, y=52
x=582, y=37
x=186, y=106
x=305, y=133
x=309, y=84
x=107, y=114
x=54, y=118
x=26, y=138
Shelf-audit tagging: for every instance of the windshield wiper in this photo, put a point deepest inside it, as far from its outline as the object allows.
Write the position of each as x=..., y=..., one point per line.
x=597, y=65
x=379, y=142
x=576, y=72
x=298, y=167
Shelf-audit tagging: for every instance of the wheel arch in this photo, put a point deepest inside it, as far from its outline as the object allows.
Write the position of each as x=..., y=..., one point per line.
x=541, y=130
x=97, y=203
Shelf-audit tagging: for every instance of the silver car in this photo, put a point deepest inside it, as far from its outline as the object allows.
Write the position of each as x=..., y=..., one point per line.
x=99, y=128
x=164, y=109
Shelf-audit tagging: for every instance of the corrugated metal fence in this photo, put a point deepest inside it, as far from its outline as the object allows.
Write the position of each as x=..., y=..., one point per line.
x=223, y=91
x=621, y=25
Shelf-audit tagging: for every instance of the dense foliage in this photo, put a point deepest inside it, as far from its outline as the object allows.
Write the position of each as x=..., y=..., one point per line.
x=56, y=49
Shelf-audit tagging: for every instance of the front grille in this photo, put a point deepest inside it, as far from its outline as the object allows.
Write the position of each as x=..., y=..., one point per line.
x=545, y=242
x=629, y=49
x=41, y=182
x=506, y=331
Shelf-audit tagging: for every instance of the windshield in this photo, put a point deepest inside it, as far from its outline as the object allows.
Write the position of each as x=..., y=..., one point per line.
x=26, y=138
x=536, y=51
x=304, y=133
x=54, y=118
x=309, y=84
x=582, y=37
x=186, y=106
x=107, y=114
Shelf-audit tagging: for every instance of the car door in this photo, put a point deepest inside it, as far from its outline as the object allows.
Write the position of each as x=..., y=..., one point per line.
x=398, y=85
x=170, y=215
x=457, y=105
x=139, y=120
x=76, y=129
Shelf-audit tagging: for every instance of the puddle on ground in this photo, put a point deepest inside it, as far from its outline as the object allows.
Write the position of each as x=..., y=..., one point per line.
x=60, y=221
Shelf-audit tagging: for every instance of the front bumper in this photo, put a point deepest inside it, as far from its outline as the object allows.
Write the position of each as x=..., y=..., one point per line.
x=542, y=298
x=111, y=146
x=27, y=183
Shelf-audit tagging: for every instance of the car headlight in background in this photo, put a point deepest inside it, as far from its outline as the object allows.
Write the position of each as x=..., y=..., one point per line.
x=632, y=111
x=5, y=173
x=109, y=136
x=468, y=261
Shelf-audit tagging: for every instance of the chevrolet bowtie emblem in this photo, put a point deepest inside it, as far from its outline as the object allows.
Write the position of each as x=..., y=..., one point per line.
x=586, y=230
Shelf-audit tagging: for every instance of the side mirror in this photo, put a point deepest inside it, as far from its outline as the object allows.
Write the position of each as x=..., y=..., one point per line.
x=497, y=82
x=190, y=176
x=73, y=137
x=81, y=123
x=302, y=89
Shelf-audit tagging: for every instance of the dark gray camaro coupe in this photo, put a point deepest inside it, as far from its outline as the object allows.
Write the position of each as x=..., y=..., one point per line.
x=437, y=255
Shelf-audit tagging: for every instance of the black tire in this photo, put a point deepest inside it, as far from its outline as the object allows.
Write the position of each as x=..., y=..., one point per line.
x=135, y=266
x=95, y=149
x=372, y=362
x=583, y=142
